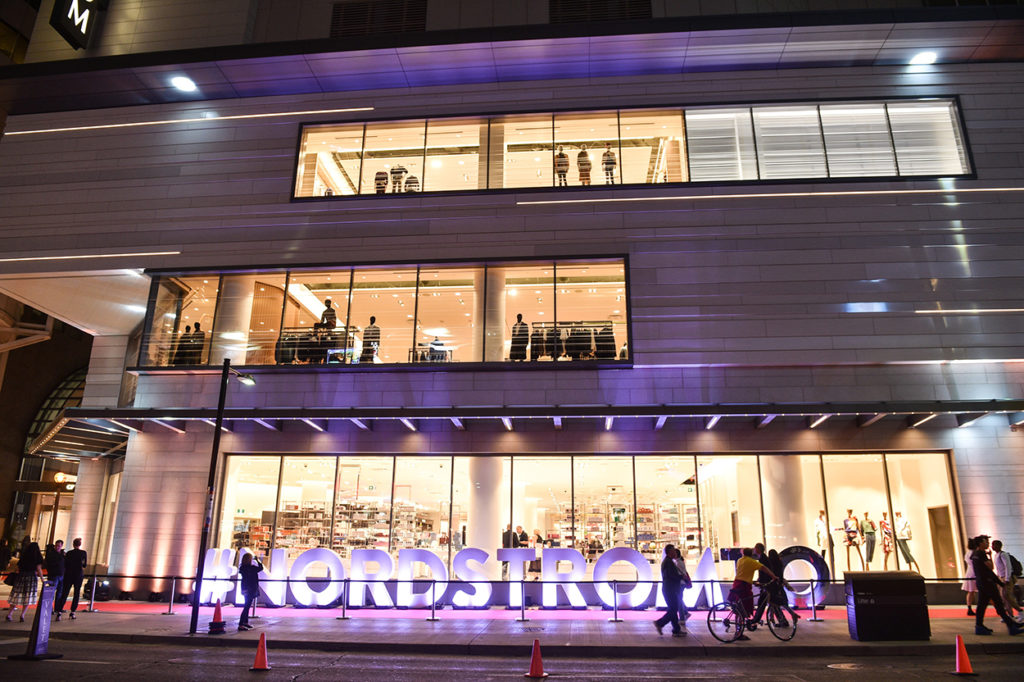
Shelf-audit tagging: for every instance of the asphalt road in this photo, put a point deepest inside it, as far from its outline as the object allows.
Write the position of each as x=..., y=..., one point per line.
x=84, y=660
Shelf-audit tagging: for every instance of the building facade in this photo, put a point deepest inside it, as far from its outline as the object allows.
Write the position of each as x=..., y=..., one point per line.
x=707, y=280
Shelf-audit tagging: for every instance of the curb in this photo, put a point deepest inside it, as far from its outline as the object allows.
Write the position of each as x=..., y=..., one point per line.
x=773, y=649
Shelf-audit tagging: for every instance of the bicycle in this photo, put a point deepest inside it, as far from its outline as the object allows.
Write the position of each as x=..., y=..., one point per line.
x=728, y=620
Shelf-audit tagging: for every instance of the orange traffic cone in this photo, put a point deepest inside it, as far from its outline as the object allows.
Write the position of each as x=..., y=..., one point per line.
x=536, y=664
x=217, y=624
x=963, y=664
x=261, y=655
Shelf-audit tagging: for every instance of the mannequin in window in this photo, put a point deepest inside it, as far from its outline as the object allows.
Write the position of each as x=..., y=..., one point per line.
x=197, y=345
x=537, y=344
x=380, y=181
x=608, y=163
x=520, y=336
x=867, y=532
x=398, y=173
x=584, y=164
x=371, y=341
x=437, y=353
x=887, y=544
x=851, y=537
x=822, y=537
x=181, y=349
x=412, y=184
x=903, y=538
x=562, y=166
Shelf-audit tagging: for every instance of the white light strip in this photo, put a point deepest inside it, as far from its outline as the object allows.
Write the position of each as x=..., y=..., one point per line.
x=359, y=424
x=91, y=255
x=710, y=423
x=660, y=423
x=558, y=423
x=313, y=424
x=408, y=424
x=213, y=423
x=122, y=425
x=187, y=120
x=608, y=422
x=922, y=420
x=266, y=424
x=968, y=311
x=507, y=422
x=820, y=420
x=769, y=195
x=168, y=426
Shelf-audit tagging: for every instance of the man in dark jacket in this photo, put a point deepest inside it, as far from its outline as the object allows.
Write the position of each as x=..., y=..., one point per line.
x=74, y=572
x=249, y=572
x=55, y=568
x=988, y=589
x=672, y=589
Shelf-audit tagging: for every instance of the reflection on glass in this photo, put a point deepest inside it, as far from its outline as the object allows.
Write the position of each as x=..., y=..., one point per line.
x=248, y=503
x=730, y=509
x=180, y=324
x=604, y=504
x=922, y=503
x=329, y=161
x=448, y=303
x=666, y=512
x=521, y=152
x=581, y=141
x=393, y=157
x=592, y=313
x=523, y=328
x=652, y=147
x=315, y=317
x=304, y=511
x=454, y=161
x=856, y=489
x=928, y=138
x=382, y=310
x=789, y=142
x=857, y=140
x=420, y=514
x=720, y=145
x=362, y=504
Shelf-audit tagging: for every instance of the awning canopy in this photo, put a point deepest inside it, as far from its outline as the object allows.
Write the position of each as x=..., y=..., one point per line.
x=103, y=432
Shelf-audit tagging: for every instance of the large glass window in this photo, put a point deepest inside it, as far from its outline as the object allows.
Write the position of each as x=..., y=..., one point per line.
x=420, y=514
x=721, y=145
x=633, y=146
x=730, y=503
x=362, y=504
x=482, y=504
x=249, y=503
x=542, y=501
x=305, y=503
x=449, y=301
x=604, y=504
x=792, y=498
x=666, y=511
x=855, y=487
x=393, y=157
x=493, y=312
x=924, y=514
x=383, y=307
x=591, y=305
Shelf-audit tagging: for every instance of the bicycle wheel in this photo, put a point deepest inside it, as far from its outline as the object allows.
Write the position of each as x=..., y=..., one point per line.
x=725, y=622
x=781, y=625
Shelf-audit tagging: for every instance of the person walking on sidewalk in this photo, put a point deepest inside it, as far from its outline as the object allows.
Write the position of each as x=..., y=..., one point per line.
x=988, y=589
x=250, y=574
x=672, y=590
x=26, y=583
x=74, y=572
x=55, y=569
x=1004, y=570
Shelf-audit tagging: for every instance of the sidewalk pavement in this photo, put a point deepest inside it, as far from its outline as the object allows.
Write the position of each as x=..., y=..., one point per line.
x=496, y=632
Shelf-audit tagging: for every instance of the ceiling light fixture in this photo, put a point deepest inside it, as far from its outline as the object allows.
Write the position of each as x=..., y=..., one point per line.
x=184, y=83
x=922, y=58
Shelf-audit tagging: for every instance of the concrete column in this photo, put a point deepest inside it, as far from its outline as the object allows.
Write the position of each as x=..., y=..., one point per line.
x=786, y=521
x=494, y=309
x=234, y=314
x=485, y=521
x=102, y=388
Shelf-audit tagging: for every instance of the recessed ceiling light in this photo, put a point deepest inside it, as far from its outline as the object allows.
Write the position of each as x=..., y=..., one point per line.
x=184, y=83
x=924, y=58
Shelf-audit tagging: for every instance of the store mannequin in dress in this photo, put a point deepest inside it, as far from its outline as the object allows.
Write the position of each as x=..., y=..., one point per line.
x=903, y=538
x=371, y=341
x=520, y=336
x=584, y=164
x=822, y=536
x=867, y=533
x=886, y=527
x=851, y=537
x=562, y=167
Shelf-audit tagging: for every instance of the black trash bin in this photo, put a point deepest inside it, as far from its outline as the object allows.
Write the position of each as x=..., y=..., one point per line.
x=883, y=606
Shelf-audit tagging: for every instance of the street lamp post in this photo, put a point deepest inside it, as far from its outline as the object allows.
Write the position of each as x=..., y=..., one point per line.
x=208, y=518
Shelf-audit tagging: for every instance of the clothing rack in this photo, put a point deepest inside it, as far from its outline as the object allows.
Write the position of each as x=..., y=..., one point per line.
x=315, y=345
x=572, y=340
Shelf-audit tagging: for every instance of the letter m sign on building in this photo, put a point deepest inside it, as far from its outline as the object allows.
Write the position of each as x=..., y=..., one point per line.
x=76, y=20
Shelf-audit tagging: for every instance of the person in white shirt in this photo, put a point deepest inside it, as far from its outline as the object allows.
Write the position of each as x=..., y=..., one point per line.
x=1001, y=563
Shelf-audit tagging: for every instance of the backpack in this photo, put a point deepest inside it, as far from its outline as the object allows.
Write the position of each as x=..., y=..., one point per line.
x=1016, y=570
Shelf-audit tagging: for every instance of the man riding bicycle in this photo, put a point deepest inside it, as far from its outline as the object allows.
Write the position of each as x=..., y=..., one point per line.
x=743, y=586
